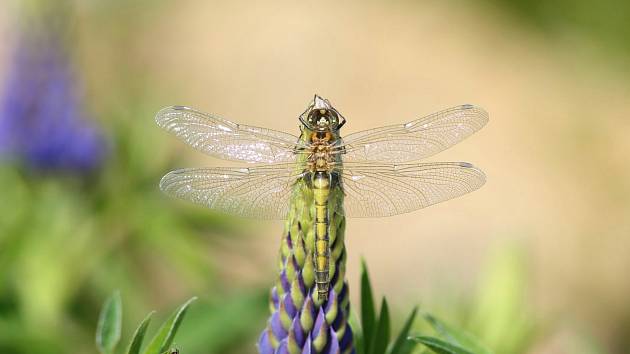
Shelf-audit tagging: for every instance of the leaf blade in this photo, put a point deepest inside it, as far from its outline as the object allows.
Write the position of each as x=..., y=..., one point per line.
x=380, y=339
x=368, y=313
x=165, y=335
x=401, y=345
x=138, y=336
x=456, y=336
x=108, y=330
x=440, y=346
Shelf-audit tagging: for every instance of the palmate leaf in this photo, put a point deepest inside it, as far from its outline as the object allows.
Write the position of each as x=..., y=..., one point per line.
x=109, y=325
x=165, y=335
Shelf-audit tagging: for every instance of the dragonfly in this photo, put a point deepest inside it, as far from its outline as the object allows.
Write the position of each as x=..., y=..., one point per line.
x=376, y=169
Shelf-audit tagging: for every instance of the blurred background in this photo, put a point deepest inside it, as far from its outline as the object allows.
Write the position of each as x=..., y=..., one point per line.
x=534, y=262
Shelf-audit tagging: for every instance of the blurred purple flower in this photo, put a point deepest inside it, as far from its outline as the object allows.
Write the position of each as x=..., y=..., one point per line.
x=42, y=122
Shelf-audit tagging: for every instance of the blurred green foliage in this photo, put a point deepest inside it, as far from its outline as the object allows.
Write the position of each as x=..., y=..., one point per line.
x=66, y=241
x=109, y=325
x=374, y=334
x=605, y=22
x=498, y=312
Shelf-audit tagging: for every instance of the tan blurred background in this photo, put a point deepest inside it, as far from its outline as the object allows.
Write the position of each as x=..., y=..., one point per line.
x=555, y=149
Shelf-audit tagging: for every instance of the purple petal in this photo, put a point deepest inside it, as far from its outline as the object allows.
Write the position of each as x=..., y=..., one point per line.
x=276, y=326
x=307, y=346
x=319, y=322
x=274, y=297
x=283, y=348
x=285, y=281
x=301, y=283
x=264, y=345
x=333, y=344
x=289, y=306
x=298, y=331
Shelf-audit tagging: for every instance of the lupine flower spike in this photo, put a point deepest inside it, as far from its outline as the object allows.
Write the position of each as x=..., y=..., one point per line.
x=42, y=122
x=301, y=322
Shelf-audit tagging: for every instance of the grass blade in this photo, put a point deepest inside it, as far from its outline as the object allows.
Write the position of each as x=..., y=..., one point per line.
x=165, y=335
x=109, y=324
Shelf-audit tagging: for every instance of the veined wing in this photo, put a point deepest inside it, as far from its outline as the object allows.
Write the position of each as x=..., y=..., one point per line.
x=373, y=190
x=417, y=139
x=227, y=140
x=261, y=192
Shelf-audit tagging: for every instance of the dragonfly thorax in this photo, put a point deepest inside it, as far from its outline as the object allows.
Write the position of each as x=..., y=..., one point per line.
x=320, y=157
x=320, y=137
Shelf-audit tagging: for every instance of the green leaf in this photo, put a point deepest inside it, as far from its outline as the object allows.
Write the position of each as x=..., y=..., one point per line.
x=109, y=324
x=216, y=326
x=138, y=336
x=501, y=313
x=356, y=333
x=380, y=339
x=456, y=336
x=165, y=335
x=368, y=314
x=439, y=346
x=401, y=345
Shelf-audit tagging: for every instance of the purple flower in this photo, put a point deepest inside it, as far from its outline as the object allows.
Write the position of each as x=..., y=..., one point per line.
x=42, y=122
x=300, y=322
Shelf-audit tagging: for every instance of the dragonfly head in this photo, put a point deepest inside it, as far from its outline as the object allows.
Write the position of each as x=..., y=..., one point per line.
x=322, y=116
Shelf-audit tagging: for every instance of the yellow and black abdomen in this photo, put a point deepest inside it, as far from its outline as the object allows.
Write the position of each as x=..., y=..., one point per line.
x=321, y=182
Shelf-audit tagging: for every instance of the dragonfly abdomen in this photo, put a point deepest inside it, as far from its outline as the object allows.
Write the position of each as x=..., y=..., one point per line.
x=321, y=191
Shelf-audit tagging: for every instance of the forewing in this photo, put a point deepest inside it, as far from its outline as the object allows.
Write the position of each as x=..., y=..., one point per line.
x=227, y=140
x=374, y=190
x=417, y=139
x=259, y=192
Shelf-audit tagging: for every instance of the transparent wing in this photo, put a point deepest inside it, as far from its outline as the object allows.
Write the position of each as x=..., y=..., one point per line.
x=227, y=140
x=259, y=192
x=417, y=139
x=373, y=190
